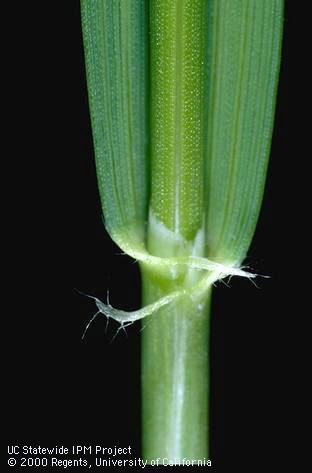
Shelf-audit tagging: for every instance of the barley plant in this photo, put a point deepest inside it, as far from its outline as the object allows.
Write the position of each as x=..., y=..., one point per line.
x=182, y=97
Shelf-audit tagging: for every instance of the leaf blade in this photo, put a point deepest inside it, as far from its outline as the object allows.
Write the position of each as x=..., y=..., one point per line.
x=115, y=44
x=245, y=46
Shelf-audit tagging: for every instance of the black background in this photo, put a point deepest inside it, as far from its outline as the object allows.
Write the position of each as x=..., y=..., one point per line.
x=60, y=389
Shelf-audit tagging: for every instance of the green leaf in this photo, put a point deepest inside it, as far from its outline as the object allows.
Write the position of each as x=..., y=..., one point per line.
x=116, y=42
x=244, y=55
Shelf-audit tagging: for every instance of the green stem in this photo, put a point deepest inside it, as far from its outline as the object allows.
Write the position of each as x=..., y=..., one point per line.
x=175, y=378
x=178, y=63
x=175, y=343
